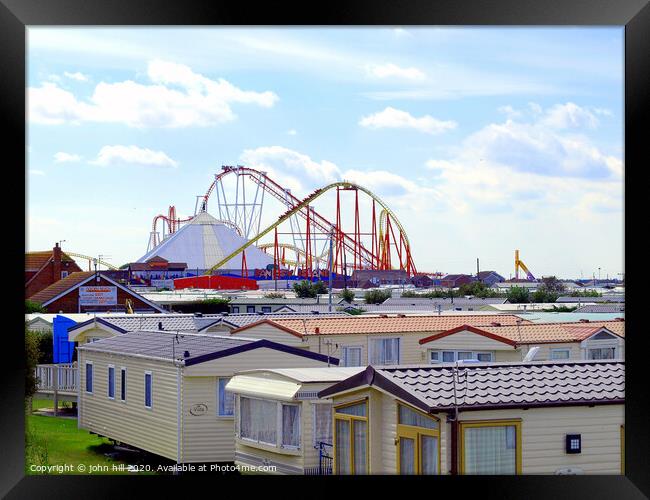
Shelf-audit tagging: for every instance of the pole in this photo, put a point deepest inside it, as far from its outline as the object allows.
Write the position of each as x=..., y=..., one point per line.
x=331, y=259
x=55, y=372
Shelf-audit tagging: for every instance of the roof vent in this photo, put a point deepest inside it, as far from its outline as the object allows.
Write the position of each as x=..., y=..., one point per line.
x=495, y=323
x=198, y=314
x=619, y=319
x=584, y=320
x=186, y=354
x=383, y=315
x=160, y=325
x=315, y=312
x=260, y=313
x=401, y=315
x=317, y=330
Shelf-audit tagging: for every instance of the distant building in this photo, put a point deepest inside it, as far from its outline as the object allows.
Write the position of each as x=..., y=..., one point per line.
x=156, y=270
x=375, y=277
x=45, y=268
x=422, y=281
x=455, y=280
x=490, y=277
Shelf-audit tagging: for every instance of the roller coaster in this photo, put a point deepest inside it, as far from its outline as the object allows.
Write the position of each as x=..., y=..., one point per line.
x=378, y=241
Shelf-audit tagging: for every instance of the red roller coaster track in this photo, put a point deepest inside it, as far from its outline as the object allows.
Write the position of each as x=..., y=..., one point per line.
x=389, y=233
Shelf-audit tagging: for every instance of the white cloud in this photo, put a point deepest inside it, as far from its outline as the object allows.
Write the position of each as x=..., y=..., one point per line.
x=532, y=168
x=36, y=172
x=570, y=115
x=390, y=70
x=395, y=118
x=80, y=77
x=177, y=97
x=292, y=132
x=132, y=155
x=62, y=157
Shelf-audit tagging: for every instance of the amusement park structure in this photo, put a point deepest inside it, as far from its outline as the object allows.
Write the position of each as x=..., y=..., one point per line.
x=519, y=264
x=301, y=238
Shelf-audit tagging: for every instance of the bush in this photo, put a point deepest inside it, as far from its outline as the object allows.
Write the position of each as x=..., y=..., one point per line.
x=355, y=311
x=377, y=296
x=347, y=295
x=206, y=306
x=305, y=289
x=585, y=293
x=541, y=295
x=31, y=360
x=33, y=307
x=45, y=347
x=274, y=295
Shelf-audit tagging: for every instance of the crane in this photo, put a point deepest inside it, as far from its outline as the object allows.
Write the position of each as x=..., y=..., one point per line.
x=520, y=264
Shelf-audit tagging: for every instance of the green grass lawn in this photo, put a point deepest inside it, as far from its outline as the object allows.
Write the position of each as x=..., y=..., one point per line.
x=57, y=441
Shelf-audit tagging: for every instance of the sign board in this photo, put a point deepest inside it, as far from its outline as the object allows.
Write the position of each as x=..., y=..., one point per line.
x=163, y=283
x=97, y=295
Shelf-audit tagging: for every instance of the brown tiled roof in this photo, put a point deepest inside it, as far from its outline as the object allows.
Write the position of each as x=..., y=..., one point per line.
x=555, y=332
x=60, y=286
x=35, y=260
x=533, y=333
x=392, y=324
x=491, y=385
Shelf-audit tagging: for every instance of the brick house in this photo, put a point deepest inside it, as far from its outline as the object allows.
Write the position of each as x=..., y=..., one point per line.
x=490, y=277
x=455, y=280
x=88, y=291
x=45, y=268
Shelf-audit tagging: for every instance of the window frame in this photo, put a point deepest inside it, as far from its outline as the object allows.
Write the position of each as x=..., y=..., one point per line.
x=92, y=377
x=150, y=390
x=344, y=358
x=108, y=381
x=416, y=432
x=468, y=424
x=266, y=309
x=123, y=381
x=235, y=309
x=554, y=350
x=248, y=309
x=219, y=415
x=455, y=353
x=378, y=339
x=351, y=419
x=279, y=429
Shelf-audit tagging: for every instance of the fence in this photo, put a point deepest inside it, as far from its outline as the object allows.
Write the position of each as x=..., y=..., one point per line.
x=63, y=377
x=325, y=460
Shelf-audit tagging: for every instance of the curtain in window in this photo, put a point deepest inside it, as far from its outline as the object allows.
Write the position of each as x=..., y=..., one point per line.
x=359, y=410
x=490, y=450
x=360, y=434
x=123, y=386
x=351, y=356
x=602, y=353
x=259, y=420
x=147, y=389
x=290, y=425
x=385, y=352
x=226, y=399
x=322, y=423
x=343, y=447
x=89, y=378
x=429, y=454
x=410, y=417
x=406, y=455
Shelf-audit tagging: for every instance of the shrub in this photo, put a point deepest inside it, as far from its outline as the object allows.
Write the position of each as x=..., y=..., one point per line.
x=518, y=295
x=347, y=295
x=305, y=289
x=31, y=360
x=33, y=307
x=377, y=296
x=274, y=295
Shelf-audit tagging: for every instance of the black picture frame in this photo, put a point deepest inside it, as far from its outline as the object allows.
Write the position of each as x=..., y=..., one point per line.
x=16, y=15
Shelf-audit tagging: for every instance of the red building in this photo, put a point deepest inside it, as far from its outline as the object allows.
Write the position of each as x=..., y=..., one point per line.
x=45, y=268
x=455, y=280
x=88, y=291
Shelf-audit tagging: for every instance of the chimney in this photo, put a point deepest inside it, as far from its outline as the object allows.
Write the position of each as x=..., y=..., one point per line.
x=495, y=323
x=56, y=267
x=317, y=330
x=584, y=321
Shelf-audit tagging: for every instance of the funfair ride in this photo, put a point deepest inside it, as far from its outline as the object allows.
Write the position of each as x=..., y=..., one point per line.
x=301, y=237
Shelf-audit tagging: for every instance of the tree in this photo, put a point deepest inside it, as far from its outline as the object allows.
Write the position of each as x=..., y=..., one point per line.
x=518, y=295
x=347, y=295
x=542, y=295
x=552, y=284
x=207, y=306
x=31, y=360
x=305, y=289
x=320, y=287
x=33, y=307
x=376, y=296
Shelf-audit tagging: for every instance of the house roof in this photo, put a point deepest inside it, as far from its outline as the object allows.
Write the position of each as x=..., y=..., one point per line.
x=485, y=274
x=200, y=347
x=58, y=287
x=170, y=322
x=605, y=298
x=468, y=328
x=75, y=280
x=555, y=332
x=458, y=301
x=377, y=324
x=35, y=260
x=480, y=386
x=601, y=308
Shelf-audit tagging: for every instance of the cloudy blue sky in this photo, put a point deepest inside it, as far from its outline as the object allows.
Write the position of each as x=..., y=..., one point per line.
x=482, y=140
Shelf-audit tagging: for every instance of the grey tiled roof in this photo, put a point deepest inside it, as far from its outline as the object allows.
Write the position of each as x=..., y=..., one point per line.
x=164, y=345
x=487, y=385
x=601, y=308
x=175, y=322
x=246, y=319
x=605, y=298
x=458, y=301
